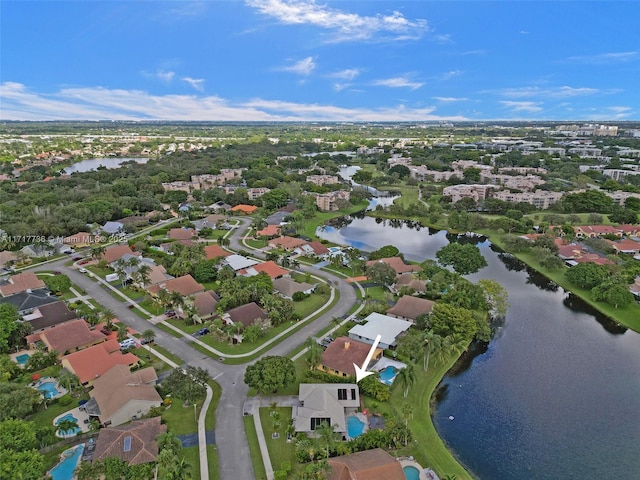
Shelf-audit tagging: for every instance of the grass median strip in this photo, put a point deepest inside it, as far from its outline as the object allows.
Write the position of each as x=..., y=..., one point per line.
x=254, y=448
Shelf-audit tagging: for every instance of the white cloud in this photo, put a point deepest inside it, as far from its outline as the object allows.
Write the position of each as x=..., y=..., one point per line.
x=345, y=26
x=554, y=92
x=450, y=74
x=530, y=107
x=450, y=99
x=97, y=103
x=611, y=57
x=302, y=67
x=162, y=75
x=398, y=82
x=197, y=83
x=346, y=74
x=338, y=87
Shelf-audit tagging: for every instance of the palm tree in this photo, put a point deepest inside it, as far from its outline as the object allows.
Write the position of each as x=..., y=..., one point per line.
x=63, y=427
x=177, y=300
x=443, y=353
x=327, y=436
x=107, y=317
x=122, y=331
x=407, y=414
x=149, y=335
x=163, y=298
x=168, y=441
x=97, y=251
x=120, y=268
x=272, y=256
x=69, y=380
x=308, y=445
x=431, y=344
x=224, y=241
x=285, y=260
x=406, y=378
x=314, y=353
x=142, y=275
x=190, y=314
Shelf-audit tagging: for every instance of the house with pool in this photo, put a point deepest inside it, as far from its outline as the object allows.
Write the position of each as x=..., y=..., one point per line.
x=93, y=362
x=67, y=337
x=342, y=353
x=320, y=403
x=389, y=328
x=369, y=464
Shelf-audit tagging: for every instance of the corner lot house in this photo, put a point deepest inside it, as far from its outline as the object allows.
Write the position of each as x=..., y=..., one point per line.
x=377, y=324
x=49, y=315
x=325, y=403
x=134, y=443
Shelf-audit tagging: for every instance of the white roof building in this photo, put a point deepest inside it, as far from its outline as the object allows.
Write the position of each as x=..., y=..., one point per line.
x=325, y=403
x=238, y=262
x=389, y=328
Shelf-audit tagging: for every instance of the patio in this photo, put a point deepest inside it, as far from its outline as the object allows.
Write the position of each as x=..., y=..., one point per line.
x=77, y=414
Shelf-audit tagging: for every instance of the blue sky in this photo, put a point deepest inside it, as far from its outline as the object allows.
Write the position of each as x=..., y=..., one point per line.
x=266, y=60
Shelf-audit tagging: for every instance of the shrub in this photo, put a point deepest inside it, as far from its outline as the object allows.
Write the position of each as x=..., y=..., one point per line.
x=65, y=400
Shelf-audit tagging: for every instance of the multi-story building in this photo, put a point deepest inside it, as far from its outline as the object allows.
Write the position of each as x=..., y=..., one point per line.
x=519, y=182
x=540, y=199
x=421, y=172
x=254, y=193
x=620, y=197
x=618, y=174
x=475, y=192
x=323, y=179
x=181, y=186
x=328, y=201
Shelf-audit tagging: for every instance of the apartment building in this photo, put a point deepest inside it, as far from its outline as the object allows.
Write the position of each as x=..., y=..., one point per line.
x=323, y=179
x=540, y=199
x=475, y=192
x=327, y=202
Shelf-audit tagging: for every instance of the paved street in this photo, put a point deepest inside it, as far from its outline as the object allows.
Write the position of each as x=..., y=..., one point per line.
x=233, y=449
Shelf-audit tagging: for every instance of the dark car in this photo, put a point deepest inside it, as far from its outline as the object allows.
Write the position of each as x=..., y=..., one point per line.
x=105, y=331
x=202, y=331
x=75, y=259
x=170, y=314
x=144, y=341
x=57, y=272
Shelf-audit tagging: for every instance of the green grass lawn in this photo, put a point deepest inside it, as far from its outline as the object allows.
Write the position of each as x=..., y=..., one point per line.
x=101, y=272
x=254, y=448
x=280, y=450
x=152, y=307
x=167, y=354
x=192, y=456
x=257, y=243
x=212, y=457
x=310, y=304
x=149, y=359
x=180, y=419
x=409, y=194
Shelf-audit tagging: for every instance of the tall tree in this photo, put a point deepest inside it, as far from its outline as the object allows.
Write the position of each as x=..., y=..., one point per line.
x=270, y=374
x=314, y=353
x=464, y=258
x=405, y=378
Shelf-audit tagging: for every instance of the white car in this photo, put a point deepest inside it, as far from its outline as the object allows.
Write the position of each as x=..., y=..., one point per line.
x=82, y=270
x=128, y=343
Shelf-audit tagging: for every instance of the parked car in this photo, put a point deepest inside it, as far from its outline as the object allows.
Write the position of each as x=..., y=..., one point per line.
x=170, y=314
x=105, y=331
x=84, y=262
x=326, y=341
x=75, y=259
x=202, y=331
x=82, y=270
x=144, y=341
x=128, y=343
x=57, y=272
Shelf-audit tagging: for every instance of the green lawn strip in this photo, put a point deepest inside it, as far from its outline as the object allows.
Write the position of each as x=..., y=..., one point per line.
x=101, y=272
x=210, y=419
x=584, y=217
x=148, y=359
x=213, y=464
x=192, y=457
x=280, y=450
x=310, y=304
x=44, y=418
x=409, y=194
x=254, y=448
x=629, y=315
x=167, y=353
x=376, y=293
x=256, y=243
x=52, y=458
x=427, y=447
x=169, y=330
x=152, y=307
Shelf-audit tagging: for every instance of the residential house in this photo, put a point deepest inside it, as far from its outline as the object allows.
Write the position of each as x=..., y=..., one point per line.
x=112, y=254
x=185, y=286
x=287, y=287
x=238, y=262
x=313, y=248
x=158, y=274
x=93, y=362
x=625, y=246
x=182, y=233
x=120, y=395
x=245, y=314
x=40, y=250
x=219, y=207
x=68, y=337
x=215, y=251
x=243, y=209
x=367, y=465
x=81, y=240
x=205, y=303
x=288, y=244
x=21, y=282
x=113, y=228
x=269, y=231
x=592, y=231
x=389, y=328
x=168, y=247
x=277, y=218
x=27, y=302
x=7, y=258
x=409, y=308
x=397, y=264
x=325, y=403
x=409, y=281
x=134, y=443
x=342, y=353
x=270, y=268
x=50, y=315
x=210, y=221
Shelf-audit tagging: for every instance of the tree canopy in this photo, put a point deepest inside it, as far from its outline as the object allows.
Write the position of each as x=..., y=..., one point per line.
x=57, y=283
x=464, y=258
x=587, y=275
x=384, y=252
x=270, y=374
x=381, y=273
x=446, y=320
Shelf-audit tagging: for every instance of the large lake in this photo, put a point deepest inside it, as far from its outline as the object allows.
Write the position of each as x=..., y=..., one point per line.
x=94, y=163
x=555, y=395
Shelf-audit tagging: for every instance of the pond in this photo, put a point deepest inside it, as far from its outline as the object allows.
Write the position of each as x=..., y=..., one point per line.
x=94, y=163
x=556, y=392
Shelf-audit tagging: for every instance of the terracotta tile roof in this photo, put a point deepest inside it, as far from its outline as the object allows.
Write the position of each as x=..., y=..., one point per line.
x=215, y=251
x=287, y=243
x=71, y=336
x=408, y=280
x=411, y=307
x=112, y=254
x=21, y=283
x=596, y=229
x=396, y=263
x=158, y=274
x=143, y=434
x=270, y=268
x=373, y=464
x=246, y=314
x=343, y=352
x=81, y=238
x=246, y=209
x=205, y=303
x=181, y=233
x=185, y=285
x=119, y=386
x=7, y=257
x=269, y=231
x=92, y=362
x=318, y=248
x=625, y=245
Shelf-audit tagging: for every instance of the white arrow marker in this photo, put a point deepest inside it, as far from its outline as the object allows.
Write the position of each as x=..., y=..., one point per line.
x=362, y=372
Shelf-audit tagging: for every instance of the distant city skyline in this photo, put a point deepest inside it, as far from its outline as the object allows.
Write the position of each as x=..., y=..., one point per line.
x=294, y=60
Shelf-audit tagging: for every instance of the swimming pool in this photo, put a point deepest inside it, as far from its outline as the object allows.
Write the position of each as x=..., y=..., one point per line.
x=22, y=359
x=73, y=431
x=410, y=473
x=49, y=389
x=335, y=249
x=355, y=426
x=388, y=374
x=70, y=459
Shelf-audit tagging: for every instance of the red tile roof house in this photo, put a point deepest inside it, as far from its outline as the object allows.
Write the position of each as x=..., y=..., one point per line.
x=19, y=283
x=313, y=248
x=185, y=285
x=69, y=337
x=182, y=233
x=625, y=246
x=92, y=362
x=244, y=209
x=286, y=243
x=595, y=231
x=115, y=253
x=409, y=281
x=215, y=251
x=373, y=464
x=270, y=268
x=134, y=443
x=409, y=308
x=397, y=264
x=342, y=353
x=269, y=231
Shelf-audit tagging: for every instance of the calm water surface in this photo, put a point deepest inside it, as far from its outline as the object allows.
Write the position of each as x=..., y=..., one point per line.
x=556, y=394
x=94, y=163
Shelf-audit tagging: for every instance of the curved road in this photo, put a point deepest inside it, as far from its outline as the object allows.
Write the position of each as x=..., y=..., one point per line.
x=232, y=446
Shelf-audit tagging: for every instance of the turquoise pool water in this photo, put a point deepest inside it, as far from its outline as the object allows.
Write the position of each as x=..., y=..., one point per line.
x=64, y=469
x=388, y=375
x=411, y=473
x=22, y=359
x=355, y=426
x=73, y=431
x=49, y=389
